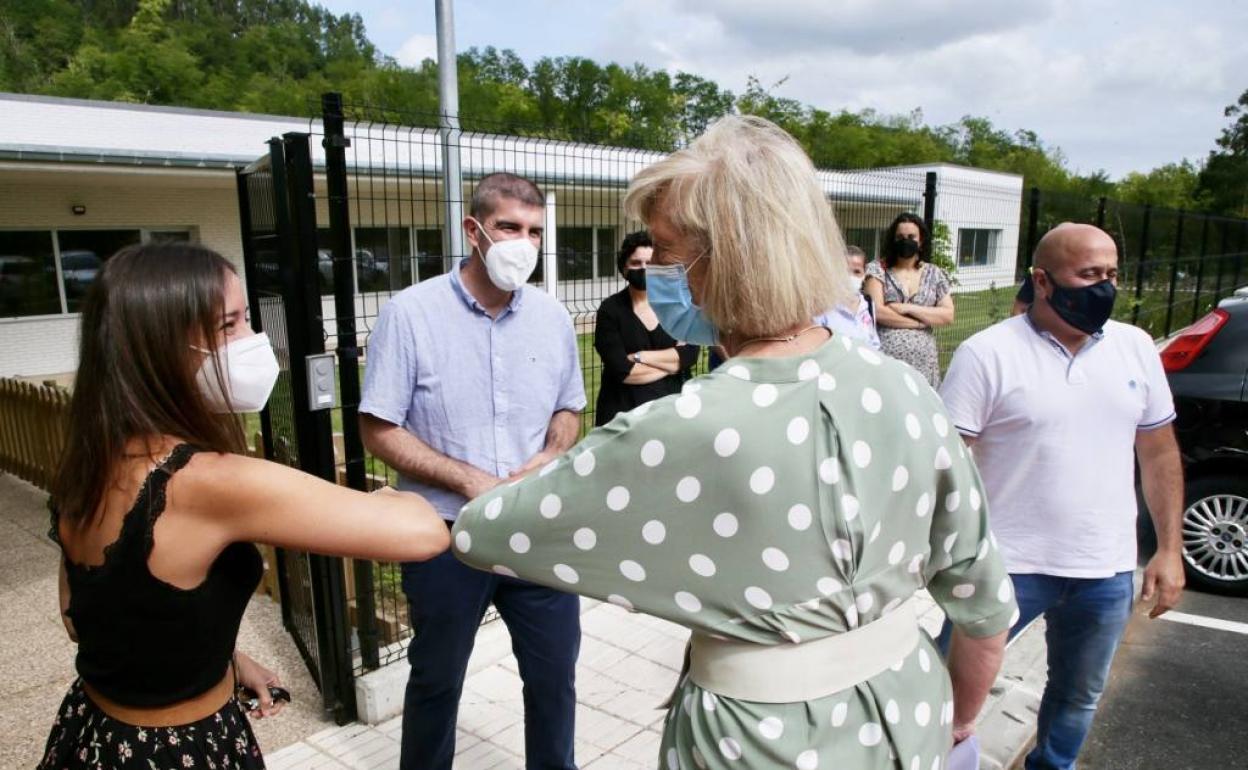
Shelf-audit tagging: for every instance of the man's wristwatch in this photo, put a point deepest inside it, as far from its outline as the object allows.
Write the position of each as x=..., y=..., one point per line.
x=637, y=357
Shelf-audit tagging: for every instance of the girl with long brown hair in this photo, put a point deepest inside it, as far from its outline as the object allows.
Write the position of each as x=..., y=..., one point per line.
x=156, y=512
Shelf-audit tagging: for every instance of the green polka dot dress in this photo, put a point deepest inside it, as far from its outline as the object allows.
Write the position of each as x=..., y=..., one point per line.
x=773, y=501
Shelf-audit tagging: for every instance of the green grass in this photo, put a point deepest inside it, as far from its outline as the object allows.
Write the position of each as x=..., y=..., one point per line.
x=974, y=311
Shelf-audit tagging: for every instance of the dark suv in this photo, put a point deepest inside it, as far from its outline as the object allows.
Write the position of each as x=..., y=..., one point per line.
x=1207, y=365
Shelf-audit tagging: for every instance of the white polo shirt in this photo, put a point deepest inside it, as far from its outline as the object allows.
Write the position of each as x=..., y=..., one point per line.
x=1055, y=440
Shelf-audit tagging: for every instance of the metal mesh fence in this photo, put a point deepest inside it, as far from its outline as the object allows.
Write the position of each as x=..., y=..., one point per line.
x=983, y=227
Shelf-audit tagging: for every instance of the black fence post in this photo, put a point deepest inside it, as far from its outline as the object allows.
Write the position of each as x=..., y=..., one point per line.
x=1174, y=271
x=1100, y=213
x=1139, y=265
x=335, y=144
x=253, y=294
x=1223, y=253
x=929, y=203
x=1200, y=266
x=314, y=429
x=1033, y=222
x=1239, y=253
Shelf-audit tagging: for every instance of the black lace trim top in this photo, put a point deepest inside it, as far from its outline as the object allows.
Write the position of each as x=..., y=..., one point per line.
x=141, y=641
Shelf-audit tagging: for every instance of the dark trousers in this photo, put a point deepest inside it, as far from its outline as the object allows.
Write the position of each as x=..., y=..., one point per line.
x=447, y=601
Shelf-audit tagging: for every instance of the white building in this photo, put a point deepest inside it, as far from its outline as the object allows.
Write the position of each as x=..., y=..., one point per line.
x=79, y=179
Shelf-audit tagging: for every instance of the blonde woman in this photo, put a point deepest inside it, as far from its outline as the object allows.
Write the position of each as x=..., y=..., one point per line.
x=785, y=507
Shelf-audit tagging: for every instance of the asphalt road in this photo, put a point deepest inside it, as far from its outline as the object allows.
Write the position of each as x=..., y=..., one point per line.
x=1177, y=697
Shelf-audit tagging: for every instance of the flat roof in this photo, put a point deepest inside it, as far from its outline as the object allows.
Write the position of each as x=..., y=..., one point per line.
x=85, y=131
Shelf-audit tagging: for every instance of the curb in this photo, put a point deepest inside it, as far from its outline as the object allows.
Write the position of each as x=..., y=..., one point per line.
x=1007, y=724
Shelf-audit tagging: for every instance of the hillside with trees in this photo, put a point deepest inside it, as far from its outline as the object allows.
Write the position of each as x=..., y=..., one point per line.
x=278, y=56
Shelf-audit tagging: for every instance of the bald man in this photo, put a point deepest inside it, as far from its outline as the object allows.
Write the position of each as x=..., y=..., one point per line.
x=1057, y=403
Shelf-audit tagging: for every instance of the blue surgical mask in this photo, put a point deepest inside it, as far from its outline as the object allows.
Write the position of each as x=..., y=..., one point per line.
x=667, y=289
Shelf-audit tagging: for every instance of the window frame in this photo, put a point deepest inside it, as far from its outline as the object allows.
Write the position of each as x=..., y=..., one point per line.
x=145, y=236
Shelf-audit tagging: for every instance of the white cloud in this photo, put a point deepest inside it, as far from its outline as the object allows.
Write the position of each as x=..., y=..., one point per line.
x=1116, y=90
x=416, y=49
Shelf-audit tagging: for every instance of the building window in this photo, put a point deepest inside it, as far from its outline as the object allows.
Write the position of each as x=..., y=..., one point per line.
x=27, y=274
x=575, y=246
x=83, y=253
x=383, y=258
x=430, y=260
x=977, y=247
x=48, y=272
x=606, y=247
x=865, y=238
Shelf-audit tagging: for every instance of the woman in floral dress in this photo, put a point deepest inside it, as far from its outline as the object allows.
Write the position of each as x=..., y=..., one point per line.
x=911, y=296
x=787, y=502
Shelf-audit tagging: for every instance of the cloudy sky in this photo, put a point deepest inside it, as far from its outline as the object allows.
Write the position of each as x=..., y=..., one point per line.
x=1119, y=85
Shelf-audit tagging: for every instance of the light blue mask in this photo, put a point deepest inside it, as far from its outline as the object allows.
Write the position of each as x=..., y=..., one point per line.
x=667, y=289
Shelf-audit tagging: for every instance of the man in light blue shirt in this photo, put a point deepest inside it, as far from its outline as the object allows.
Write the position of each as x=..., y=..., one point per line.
x=473, y=378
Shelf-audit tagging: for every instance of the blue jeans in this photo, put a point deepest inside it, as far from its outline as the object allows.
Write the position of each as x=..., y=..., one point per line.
x=1085, y=619
x=447, y=601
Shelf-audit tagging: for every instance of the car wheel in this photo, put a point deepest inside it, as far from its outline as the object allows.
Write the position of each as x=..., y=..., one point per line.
x=1215, y=534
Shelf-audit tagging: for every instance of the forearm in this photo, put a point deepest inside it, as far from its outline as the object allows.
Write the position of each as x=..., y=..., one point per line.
x=930, y=316
x=973, y=667
x=561, y=434
x=668, y=360
x=407, y=454
x=644, y=374
x=1161, y=474
x=887, y=317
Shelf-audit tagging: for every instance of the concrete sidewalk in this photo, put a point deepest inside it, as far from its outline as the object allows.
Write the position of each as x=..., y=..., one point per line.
x=37, y=657
x=628, y=666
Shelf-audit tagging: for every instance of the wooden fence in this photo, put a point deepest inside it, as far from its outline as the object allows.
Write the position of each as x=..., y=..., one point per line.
x=33, y=419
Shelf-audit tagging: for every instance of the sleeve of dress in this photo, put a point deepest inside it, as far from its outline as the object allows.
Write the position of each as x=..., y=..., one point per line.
x=942, y=285
x=609, y=342
x=965, y=573
x=576, y=525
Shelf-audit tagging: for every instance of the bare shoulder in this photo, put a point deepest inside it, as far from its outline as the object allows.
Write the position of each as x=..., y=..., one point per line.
x=215, y=477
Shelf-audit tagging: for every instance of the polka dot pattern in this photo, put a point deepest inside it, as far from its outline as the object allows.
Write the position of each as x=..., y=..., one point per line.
x=654, y=532
x=800, y=517
x=789, y=516
x=727, y=441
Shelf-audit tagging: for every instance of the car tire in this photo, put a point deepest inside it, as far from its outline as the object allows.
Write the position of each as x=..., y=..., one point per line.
x=1215, y=534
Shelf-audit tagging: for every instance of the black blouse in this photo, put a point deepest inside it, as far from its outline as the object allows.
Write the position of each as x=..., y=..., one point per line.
x=618, y=333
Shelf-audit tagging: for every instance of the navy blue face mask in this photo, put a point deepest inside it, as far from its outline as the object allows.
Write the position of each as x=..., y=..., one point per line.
x=1086, y=308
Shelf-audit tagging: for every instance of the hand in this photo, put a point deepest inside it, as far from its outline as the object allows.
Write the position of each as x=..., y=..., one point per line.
x=1163, y=578
x=537, y=461
x=962, y=732
x=480, y=483
x=901, y=307
x=258, y=678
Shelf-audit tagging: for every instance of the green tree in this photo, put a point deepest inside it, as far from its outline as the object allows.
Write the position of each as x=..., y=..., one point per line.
x=1224, y=179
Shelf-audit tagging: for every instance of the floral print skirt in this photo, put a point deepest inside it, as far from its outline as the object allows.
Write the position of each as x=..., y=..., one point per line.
x=85, y=738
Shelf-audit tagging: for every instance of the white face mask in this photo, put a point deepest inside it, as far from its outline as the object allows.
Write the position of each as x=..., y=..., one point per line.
x=250, y=370
x=508, y=263
x=856, y=282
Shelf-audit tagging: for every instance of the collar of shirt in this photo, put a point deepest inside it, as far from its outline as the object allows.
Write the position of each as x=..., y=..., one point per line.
x=465, y=296
x=1056, y=343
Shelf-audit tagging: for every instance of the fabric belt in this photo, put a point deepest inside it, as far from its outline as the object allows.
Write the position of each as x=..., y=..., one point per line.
x=791, y=673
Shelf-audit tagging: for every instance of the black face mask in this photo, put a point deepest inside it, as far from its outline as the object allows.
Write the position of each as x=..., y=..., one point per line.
x=1086, y=308
x=904, y=248
x=636, y=278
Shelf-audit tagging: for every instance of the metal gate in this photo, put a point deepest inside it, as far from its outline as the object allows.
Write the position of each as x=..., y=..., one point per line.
x=278, y=222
